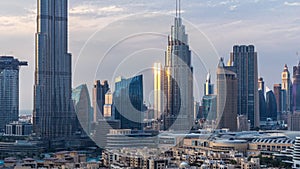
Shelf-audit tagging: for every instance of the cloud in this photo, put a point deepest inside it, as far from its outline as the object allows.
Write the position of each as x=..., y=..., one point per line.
x=92, y=10
x=291, y=3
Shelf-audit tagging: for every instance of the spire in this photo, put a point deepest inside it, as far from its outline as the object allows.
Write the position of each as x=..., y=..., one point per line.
x=178, y=8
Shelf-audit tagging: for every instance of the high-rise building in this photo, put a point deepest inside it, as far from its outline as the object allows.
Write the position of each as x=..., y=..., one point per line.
x=209, y=107
x=178, y=79
x=226, y=98
x=82, y=106
x=294, y=121
x=128, y=102
x=99, y=91
x=53, y=114
x=9, y=90
x=286, y=86
x=108, y=106
x=271, y=105
x=244, y=61
x=208, y=87
x=261, y=85
x=262, y=106
x=158, y=91
x=296, y=88
x=278, y=95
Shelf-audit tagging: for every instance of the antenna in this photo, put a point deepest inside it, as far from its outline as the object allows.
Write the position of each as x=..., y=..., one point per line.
x=179, y=8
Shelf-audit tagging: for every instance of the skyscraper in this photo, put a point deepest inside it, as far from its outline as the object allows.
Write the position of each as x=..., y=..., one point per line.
x=82, y=106
x=9, y=90
x=262, y=106
x=208, y=87
x=296, y=88
x=99, y=91
x=178, y=80
x=226, y=98
x=278, y=95
x=244, y=60
x=158, y=91
x=271, y=105
x=287, y=88
x=128, y=102
x=53, y=114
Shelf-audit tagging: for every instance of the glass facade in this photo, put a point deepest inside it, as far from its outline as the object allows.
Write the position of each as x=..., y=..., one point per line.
x=128, y=102
x=9, y=90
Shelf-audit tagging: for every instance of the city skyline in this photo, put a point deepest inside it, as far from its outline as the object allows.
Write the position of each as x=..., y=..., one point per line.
x=282, y=33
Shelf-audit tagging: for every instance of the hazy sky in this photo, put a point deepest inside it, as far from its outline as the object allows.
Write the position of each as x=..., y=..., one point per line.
x=136, y=32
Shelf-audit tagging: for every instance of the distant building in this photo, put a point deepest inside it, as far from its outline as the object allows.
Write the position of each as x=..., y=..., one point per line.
x=196, y=110
x=287, y=88
x=9, y=90
x=18, y=129
x=294, y=121
x=262, y=106
x=158, y=105
x=226, y=98
x=99, y=92
x=278, y=95
x=208, y=87
x=244, y=61
x=102, y=128
x=128, y=102
x=209, y=107
x=271, y=105
x=296, y=88
x=243, y=123
x=108, y=106
x=82, y=106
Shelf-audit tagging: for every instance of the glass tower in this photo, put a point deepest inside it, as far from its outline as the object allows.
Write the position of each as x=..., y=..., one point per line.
x=244, y=61
x=128, y=102
x=9, y=90
x=53, y=114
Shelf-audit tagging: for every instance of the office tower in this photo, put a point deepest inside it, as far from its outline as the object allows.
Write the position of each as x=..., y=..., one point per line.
x=262, y=106
x=208, y=87
x=82, y=106
x=271, y=105
x=53, y=114
x=244, y=61
x=261, y=85
x=287, y=88
x=296, y=153
x=278, y=95
x=296, y=88
x=108, y=106
x=128, y=102
x=158, y=105
x=99, y=92
x=226, y=98
x=178, y=80
x=9, y=90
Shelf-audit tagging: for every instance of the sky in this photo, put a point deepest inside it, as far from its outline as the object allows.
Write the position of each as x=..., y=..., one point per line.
x=124, y=37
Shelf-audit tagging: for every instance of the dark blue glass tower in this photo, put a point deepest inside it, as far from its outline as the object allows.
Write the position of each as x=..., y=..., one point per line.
x=296, y=88
x=271, y=105
x=262, y=106
x=53, y=114
x=128, y=102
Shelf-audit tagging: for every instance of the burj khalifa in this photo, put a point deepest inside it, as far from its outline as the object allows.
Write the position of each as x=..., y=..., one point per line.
x=53, y=115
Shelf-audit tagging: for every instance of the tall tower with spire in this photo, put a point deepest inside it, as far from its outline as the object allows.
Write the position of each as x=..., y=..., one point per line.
x=287, y=88
x=178, y=79
x=53, y=114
